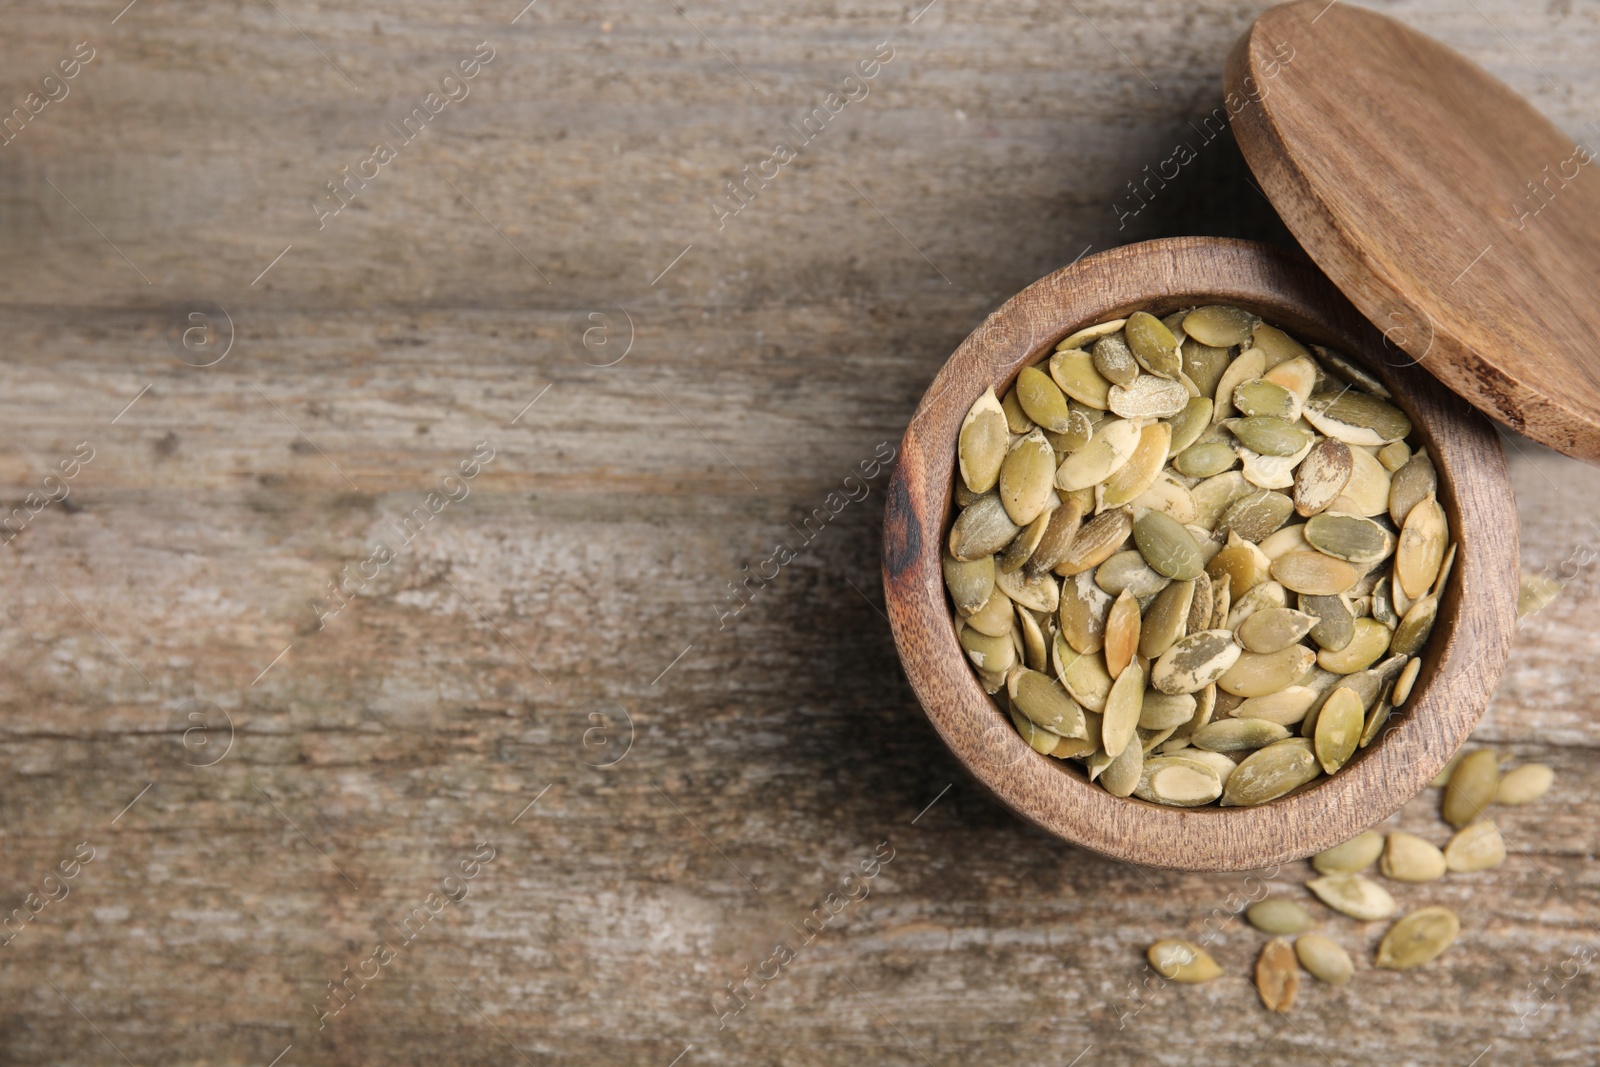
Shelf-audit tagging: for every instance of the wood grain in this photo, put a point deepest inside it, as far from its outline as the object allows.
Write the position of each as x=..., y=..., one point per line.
x=798, y=338
x=1460, y=666
x=1454, y=215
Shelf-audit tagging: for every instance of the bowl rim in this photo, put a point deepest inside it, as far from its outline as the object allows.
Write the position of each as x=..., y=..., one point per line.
x=1462, y=661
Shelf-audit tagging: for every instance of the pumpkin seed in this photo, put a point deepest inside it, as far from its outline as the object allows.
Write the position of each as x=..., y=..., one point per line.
x=1080, y=430
x=1121, y=776
x=994, y=654
x=1418, y=938
x=1041, y=592
x=1073, y=370
x=1353, y=895
x=1286, y=707
x=1356, y=418
x=1091, y=333
x=1206, y=459
x=1324, y=959
x=1182, y=961
x=1166, y=620
x=1367, y=492
x=1163, y=710
x=971, y=582
x=1261, y=397
x=1123, y=705
x=1096, y=541
x=1153, y=344
x=1409, y=858
x=1221, y=598
x=1336, y=623
x=1421, y=551
x=1413, y=630
x=1269, y=773
x=1273, y=629
x=1349, y=537
x=1268, y=435
x=1524, y=784
x=1272, y=472
x=1338, y=731
x=1475, y=848
x=1383, y=603
x=1277, y=975
x=1038, y=738
x=1407, y=679
x=1059, y=532
x=1410, y=485
x=1148, y=397
x=1190, y=423
x=1256, y=515
x=1200, y=606
x=1086, y=679
x=1263, y=596
x=1220, y=326
x=1045, y=703
x=1248, y=365
x=1139, y=472
x=1026, y=478
x=1042, y=400
x=1083, y=612
x=1114, y=360
x=1238, y=735
x=1216, y=494
x=1368, y=643
x=1313, y=573
x=1178, y=782
x=1194, y=662
x=1204, y=365
x=1168, y=496
x=1278, y=915
x=1394, y=455
x=1127, y=570
x=1167, y=547
x=1322, y=476
x=982, y=443
x=1375, y=720
x=1472, y=788
x=1255, y=675
x=994, y=617
x=1112, y=446
x=1122, y=633
x=1035, y=646
x=1022, y=546
x=1298, y=375
x=1350, y=371
x=982, y=529
x=1278, y=346
x=1242, y=563
x=1356, y=854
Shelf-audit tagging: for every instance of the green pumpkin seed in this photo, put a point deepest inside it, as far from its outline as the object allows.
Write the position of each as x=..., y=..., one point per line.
x=1264, y=596
x=1035, y=646
x=1350, y=371
x=1367, y=492
x=1261, y=397
x=1214, y=495
x=1114, y=360
x=1083, y=612
x=1059, y=532
x=1042, y=400
x=1272, y=629
x=1097, y=540
x=1178, y=781
x=1079, y=432
x=1256, y=515
x=1221, y=598
x=983, y=442
x=1238, y=735
x=1090, y=334
x=1167, y=547
x=1322, y=476
x=1195, y=662
x=1128, y=571
x=1161, y=711
x=1243, y=564
x=1277, y=975
x=1336, y=623
x=1475, y=848
x=1324, y=959
x=1524, y=784
x=1394, y=455
x=1027, y=476
x=1017, y=421
x=1086, y=680
x=1167, y=619
x=1168, y=496
x=1412, y=633
x=1153, y=345
x=1022, y=546
x=1038, y=738
x=1204, y=365
x=993, y=654
x=1338, y=731
x=1255, y=675
x=1220, y=326
x=1182, y=961
x=1298, y=375
x=1353, y=895
x=1112, y=446
x=1313, y=573
x=1287, y=707
x=1148, y=397
x=1268, y=435
x=1356, y=854
x=970, y=582
x=1272, y=472
x=1278, y=346
x=1356, y=418
x=1349, y=537
x=1409, y=858
x=994, y=617
x=1422, y=543
x=1031, y=589
x=1045, y=703
x=982, y=529
x=1472, y=788
x=1278, y=915
x=1411, y=485
x=1073, y=370
x=1121, y=776
x=1407, y=679
x=1206, y=459
x=1249, y=365
x=1190, y=423
x=1368, y=643
x=1418, y=938
x=1536, y=593
x=1269, y=773
x=1139, y=472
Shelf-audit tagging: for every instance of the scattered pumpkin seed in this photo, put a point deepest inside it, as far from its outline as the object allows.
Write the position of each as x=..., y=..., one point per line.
x=1314, y=573
x=1422, y=543
x=1085, y=677
x=1096, y=541
x=1279, y=915
x=1475, y=848
x=1286, y=707
x=1349, y=537
x=1418, y=938
x=1122, y=632
x=982, y=529
x=1269, y=435
x=1255, y=515
x=1356, y=854
x=1472, y=788
x=1254, y=674
x=1182, y=961
x=1277, y=975
x=1356, y=418
x=1324, y=959
x=1353, y=895
x=1524, y=784
x=1536, y=593
x=1121, y=776
x=1167, y=547
x=1411, y=485
x=971, y=582
x=1167, y=618
x=1083, y=612
x=1322, y=476
x=1045, y=703
x=1367, y=645
x=1409, y=858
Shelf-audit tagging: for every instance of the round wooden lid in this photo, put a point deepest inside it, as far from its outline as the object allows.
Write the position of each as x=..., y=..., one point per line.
x=1458, y=219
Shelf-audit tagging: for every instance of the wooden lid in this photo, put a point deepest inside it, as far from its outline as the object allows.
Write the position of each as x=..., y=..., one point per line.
x=1458, y=219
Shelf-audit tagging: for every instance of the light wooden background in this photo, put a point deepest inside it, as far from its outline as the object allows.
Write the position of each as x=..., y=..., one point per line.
x=583, y=575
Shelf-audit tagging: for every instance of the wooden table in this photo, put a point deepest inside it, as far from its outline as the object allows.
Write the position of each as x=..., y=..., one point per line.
x=542, y=664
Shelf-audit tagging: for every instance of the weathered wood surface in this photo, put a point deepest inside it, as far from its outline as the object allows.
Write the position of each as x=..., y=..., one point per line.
x=584, y=573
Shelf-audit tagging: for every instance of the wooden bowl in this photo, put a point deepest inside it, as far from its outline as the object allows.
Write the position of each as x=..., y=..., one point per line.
x=1460, y=665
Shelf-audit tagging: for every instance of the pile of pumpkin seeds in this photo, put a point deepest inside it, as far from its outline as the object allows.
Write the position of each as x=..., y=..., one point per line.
x=1472, y=782
x=1198, y=556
